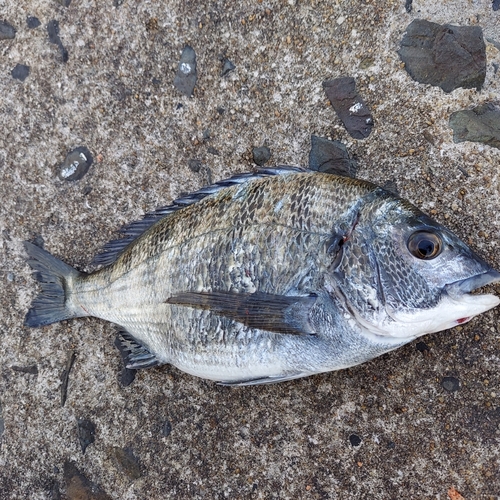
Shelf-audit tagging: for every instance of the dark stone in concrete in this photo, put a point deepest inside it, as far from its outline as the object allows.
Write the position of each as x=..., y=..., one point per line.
x=64, y=3
x=391, y=186
x=78, y=487
x=446, y=56
x=86, y=433
x=127, y=376
x=185, y=79
x=331, y=157
x=481, y=124
x=7, y=31
x=195, y=165
x=227, y=66
x=20, y=72
x=76, y=164
x=32, y=22
x=496, y=5
x=408, y=5
x=127, y=462
x=355, y=440
x=213, y=151
x=422, y=347
x=167, y=428
x=451, y=384
x=31, y=369
x=65, y=376
x=349, y=106
x=261, y=155
x=54, y=493
x=53, y=31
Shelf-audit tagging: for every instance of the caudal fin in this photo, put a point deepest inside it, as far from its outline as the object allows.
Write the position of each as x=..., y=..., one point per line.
x=53, y=275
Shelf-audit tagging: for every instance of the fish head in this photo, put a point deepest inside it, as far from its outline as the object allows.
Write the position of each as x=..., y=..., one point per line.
x=402, y=275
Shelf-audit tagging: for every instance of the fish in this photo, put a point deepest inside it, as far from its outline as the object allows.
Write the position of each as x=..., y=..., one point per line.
x=271, y=276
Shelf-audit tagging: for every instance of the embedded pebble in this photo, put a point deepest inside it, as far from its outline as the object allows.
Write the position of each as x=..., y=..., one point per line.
x=331, y=157
x=127, y=461
x=422, y=347
x=195, y=165
x=86, y=433
x=167, y=428
x=355, y=440
x=480, y=124
x=7, y=31
x=349, y=106
x=261, y=155
x=64, y=3
x=65, y=376
x=30, y=369
x=391, y=186
x=76, y=164
x=32, y=22
x=20, y=72
x=227, y=66
x=185, y=79
x=78, y=487
x=451, y=384
x=53, y=31
x=446, y=56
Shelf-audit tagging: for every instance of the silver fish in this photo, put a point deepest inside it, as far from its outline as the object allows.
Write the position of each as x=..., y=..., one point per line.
x=272, y=276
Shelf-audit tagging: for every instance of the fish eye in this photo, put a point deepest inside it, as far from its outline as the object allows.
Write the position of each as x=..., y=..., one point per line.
x=424, y=245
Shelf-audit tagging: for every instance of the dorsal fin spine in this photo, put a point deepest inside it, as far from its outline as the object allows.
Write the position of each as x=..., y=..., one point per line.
x=134, y=230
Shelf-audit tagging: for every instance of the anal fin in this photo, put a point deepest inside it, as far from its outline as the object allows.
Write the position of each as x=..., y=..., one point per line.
x=138, y=356
x=265, y=380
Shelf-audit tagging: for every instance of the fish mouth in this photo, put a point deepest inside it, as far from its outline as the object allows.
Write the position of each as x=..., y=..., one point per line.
x=468, y=285
x=459, y=291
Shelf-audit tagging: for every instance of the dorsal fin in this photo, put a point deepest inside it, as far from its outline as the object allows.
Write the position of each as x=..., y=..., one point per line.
x=130, y=232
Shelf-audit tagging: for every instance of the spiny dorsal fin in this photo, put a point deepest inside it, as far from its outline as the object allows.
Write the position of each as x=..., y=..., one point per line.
x=265, y=311
x=130, y=232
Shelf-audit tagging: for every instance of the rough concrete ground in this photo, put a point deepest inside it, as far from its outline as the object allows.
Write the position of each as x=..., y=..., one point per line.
x=169, y=435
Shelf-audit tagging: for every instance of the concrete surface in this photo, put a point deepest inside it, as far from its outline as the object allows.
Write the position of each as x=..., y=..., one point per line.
x=115, y=96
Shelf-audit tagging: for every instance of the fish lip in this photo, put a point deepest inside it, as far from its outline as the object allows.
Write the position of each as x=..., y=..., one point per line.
x=473, y=283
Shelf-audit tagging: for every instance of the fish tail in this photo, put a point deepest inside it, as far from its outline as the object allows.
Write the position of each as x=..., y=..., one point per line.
x=55, y=278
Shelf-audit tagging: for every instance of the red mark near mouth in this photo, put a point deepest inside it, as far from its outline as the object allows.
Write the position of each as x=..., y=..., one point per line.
x=462, y=320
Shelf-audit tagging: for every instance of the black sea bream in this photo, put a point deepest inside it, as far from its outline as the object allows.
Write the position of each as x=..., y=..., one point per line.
x=272, y=276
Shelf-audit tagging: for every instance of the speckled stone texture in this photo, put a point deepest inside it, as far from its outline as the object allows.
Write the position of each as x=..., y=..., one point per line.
x=388, y=429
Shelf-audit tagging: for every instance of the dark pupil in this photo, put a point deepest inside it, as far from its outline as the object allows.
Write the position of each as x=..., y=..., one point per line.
x=425, y=248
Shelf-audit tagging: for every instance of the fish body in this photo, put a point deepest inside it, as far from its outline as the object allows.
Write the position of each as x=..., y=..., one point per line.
x=270, y=277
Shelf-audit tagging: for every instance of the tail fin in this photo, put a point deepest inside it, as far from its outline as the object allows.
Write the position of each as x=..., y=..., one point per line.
x=53, y=274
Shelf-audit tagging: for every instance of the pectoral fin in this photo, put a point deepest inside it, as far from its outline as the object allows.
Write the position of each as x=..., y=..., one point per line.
x=265, y=311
